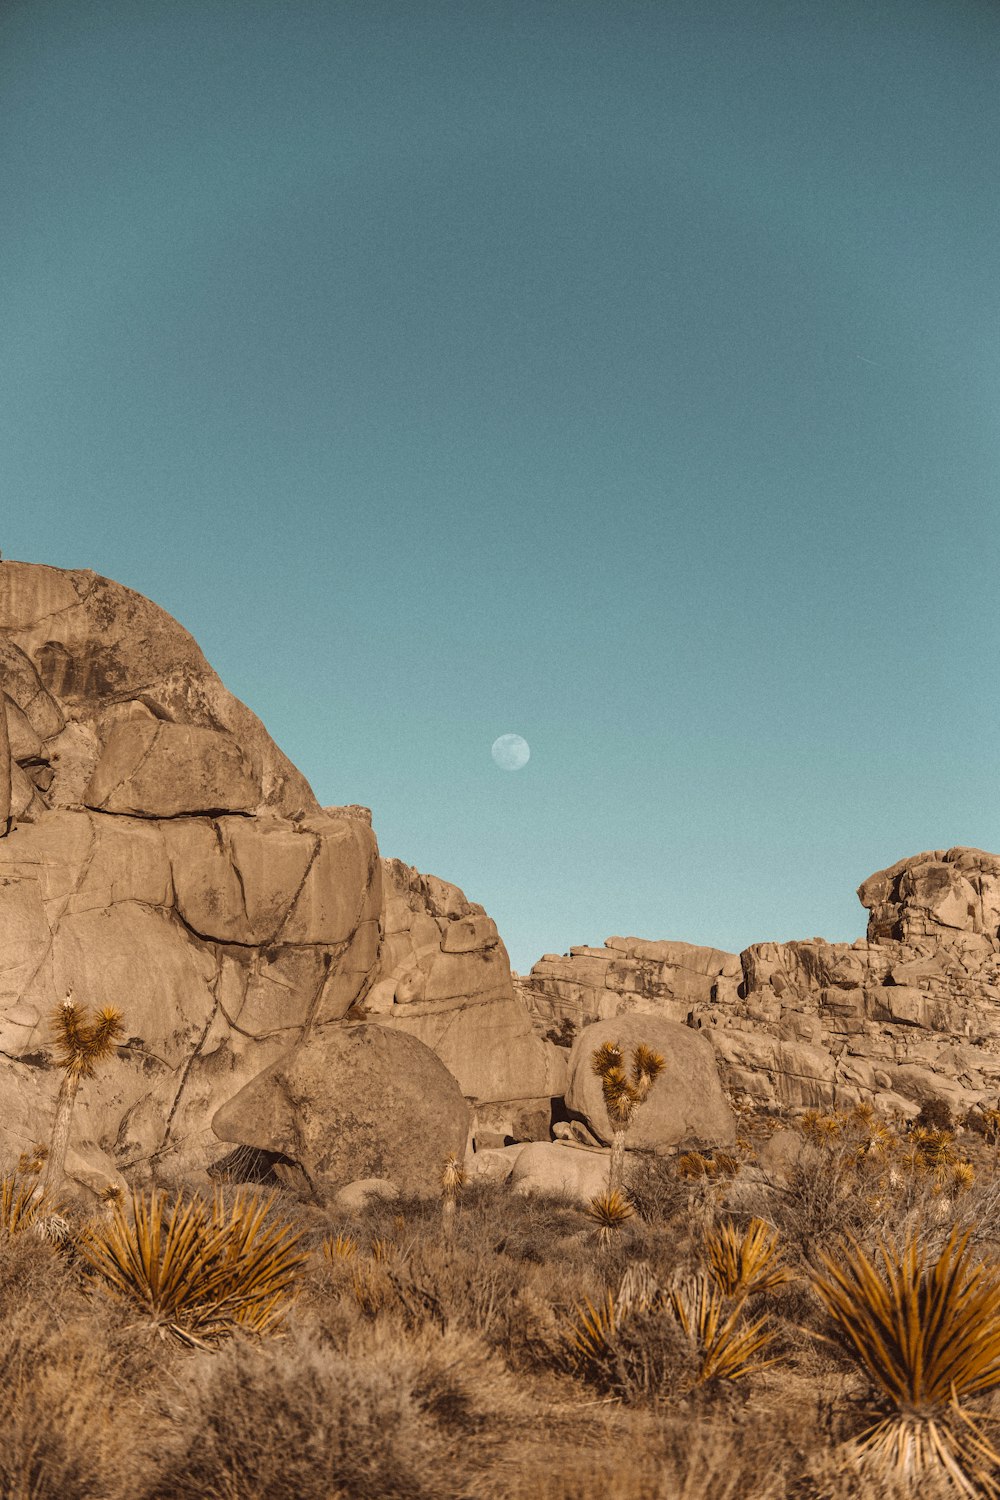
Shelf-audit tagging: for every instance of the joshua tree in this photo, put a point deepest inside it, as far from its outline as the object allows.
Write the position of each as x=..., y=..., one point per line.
x=81, y=1048
x=623, y=1094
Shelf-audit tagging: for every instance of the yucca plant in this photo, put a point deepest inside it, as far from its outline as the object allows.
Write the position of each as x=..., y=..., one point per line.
x=624, y=1091
x=452, y=1182
x=639, y=1289
x=23, y=1203
x=79, y=1048
x=729, y=1346
x=200, y=1271
x=592, y=1335
x=340, y=1247
x=609, y=1211
x=928, y=1335
x=744, y=1261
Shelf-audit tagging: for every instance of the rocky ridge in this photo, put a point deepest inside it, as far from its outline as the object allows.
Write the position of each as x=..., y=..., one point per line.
x=908, y=1014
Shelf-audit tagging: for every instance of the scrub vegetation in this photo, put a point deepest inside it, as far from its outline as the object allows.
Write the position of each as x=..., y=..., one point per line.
x=825, y=1332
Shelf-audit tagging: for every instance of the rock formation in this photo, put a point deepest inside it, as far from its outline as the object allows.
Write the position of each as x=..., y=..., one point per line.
x=164, y=857
x=160, y=854
x=352, y=1102
x=444, y=977
x=908, y=1014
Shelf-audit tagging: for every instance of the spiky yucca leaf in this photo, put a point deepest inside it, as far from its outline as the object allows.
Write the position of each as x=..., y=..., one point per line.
x=742, y=1262
x=928, y=1335
x=638, y=1290
x=619, y=1097
x=609, y=1211
x=593, y=1332
x=647, y=1066
x=452, y=1175
x=607, y=1055
x=199, y=1272
x=730, y=1347
x=340, y=1247
x=22, y=1204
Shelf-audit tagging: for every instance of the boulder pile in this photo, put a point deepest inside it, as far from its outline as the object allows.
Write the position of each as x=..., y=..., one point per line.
x=906, y=1015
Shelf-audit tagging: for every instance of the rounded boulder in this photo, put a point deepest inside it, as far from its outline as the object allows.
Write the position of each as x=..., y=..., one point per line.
x=686, y=1105
x=352, y=1102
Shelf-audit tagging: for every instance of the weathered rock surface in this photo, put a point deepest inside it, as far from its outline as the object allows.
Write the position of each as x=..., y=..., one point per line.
x=654, y=978
x=907, y=1014
x=686, y=1105
x=354, y=1101
x=81, y=654
x=444, y=977
x=579, y=1172
x=161, y=855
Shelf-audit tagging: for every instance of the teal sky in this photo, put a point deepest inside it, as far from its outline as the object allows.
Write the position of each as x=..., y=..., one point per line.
x=625, y=376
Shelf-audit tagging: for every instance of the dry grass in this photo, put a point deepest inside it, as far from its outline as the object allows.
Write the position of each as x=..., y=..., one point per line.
x=421, y=1360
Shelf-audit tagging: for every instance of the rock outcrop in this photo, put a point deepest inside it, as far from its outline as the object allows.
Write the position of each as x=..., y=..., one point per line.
x=161, y=855
x=908, y=1014
x=350, y=1102
x=445, y=978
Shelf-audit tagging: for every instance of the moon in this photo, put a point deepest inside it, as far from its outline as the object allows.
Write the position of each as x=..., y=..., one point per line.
x=511, y=752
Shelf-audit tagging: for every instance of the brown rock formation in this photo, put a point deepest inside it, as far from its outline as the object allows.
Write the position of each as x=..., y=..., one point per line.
x=444, y=977
x=909, y=1013
x=163, y=857
x=353, y=1102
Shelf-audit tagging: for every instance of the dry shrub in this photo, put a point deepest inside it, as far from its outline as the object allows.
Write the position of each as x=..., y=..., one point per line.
x=638, y=1460
x=655, y=1188
x=388, y=1416
x=69, y=1429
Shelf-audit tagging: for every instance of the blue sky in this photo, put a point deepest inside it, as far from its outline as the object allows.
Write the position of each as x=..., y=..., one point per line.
x=621, y=375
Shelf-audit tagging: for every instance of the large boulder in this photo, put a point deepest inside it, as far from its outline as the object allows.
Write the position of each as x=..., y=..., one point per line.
x=562, y=1169
x=351, y=1102
x=686, y=1105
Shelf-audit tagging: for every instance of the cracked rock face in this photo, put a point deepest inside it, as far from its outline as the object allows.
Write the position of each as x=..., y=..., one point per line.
x=444, y=977
x=163, y=856
x=906, y=1015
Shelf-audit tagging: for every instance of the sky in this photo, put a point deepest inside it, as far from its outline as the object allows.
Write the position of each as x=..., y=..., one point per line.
x=623, y=375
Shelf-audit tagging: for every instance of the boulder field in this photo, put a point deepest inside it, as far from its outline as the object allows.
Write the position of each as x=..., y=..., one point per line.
x=286, y=988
